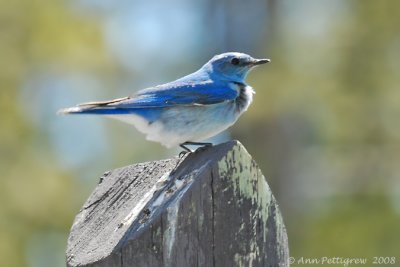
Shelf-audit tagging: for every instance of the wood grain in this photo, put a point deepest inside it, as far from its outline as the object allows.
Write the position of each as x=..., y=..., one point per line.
x=211, y=208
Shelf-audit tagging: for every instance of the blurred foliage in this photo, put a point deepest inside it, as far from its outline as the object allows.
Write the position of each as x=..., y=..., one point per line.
x=324, y=124
x=35, y=194
x=357, y=226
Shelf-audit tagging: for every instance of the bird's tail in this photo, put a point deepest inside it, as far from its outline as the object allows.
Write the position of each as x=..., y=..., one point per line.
x=72, y=110
x=101, y=107
x=94, y=110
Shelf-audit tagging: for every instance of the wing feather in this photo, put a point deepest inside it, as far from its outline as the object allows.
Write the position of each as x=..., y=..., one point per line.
x=205, y=93
x=167, y=95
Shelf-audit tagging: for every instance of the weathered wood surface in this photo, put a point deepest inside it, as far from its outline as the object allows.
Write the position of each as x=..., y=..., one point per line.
x=212, y=208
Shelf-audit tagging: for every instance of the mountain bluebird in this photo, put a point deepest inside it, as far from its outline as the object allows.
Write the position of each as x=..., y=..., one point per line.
x=188, y=110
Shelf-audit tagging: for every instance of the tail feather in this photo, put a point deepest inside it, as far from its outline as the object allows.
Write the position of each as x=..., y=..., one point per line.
x=93, y=110
x=149, y=114
x=103, y=103
x=73, y=110
x=98, y=107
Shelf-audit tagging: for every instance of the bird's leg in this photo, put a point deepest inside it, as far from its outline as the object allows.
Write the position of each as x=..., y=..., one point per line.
x=198, y=144
x=201, y=144
x=185, y=151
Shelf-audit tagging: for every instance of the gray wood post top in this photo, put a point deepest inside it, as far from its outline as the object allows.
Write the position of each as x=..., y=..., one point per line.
x=210, y=208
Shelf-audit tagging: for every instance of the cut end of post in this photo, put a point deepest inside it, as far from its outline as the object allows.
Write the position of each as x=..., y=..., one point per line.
x=178, y=211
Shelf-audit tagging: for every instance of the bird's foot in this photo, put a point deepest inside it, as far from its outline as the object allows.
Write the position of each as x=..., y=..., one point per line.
x=183, y=153
x=202, y=146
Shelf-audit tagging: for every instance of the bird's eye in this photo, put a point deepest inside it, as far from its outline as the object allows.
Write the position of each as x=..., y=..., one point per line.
x=235, y=61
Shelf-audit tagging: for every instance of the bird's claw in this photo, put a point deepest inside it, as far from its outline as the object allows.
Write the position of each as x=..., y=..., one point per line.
x=183, y=153
x=186, y=150
x=204, y=147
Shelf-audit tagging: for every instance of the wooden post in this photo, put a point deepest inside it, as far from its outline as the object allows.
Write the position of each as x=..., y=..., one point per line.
x=211, y=208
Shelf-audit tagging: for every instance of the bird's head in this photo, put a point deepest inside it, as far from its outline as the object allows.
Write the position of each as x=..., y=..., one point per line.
x=232, y=66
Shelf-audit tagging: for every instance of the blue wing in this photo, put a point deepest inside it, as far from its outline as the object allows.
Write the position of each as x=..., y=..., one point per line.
x=149, y=102
x=178, y=94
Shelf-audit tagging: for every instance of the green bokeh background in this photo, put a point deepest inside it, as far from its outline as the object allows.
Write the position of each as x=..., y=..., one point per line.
x=324, y=126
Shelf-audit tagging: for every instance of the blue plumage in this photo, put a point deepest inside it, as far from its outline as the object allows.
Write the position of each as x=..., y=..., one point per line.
x=173, y=94
x=189, y=109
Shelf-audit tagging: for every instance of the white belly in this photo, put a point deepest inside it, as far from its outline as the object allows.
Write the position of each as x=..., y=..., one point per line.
x=177, y=125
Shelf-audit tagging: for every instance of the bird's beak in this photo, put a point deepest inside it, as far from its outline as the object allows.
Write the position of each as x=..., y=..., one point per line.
x=260, y=61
